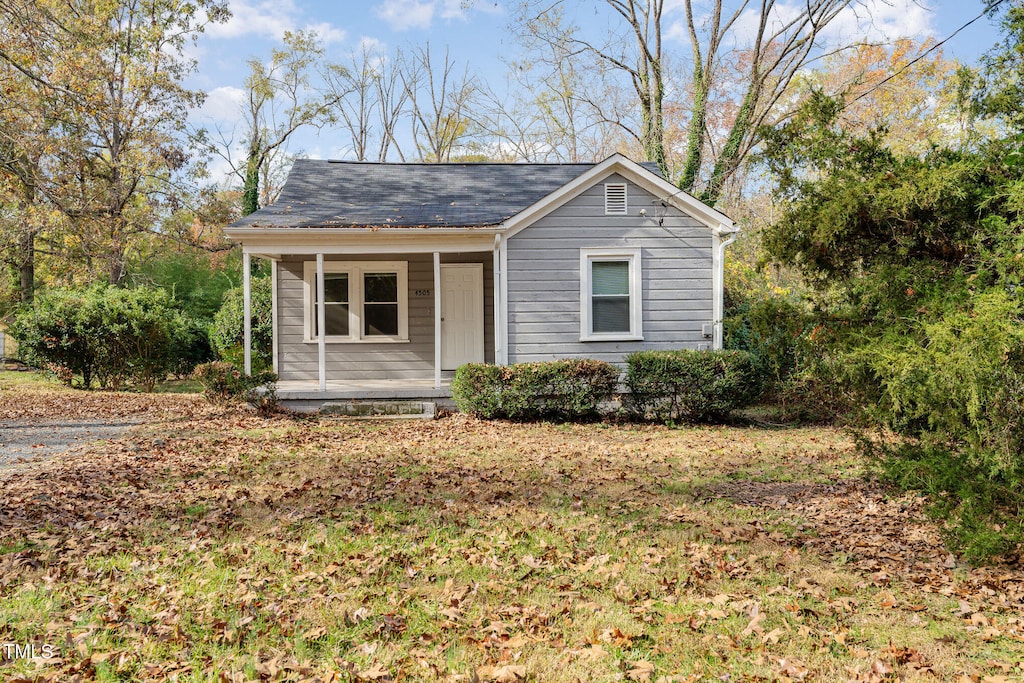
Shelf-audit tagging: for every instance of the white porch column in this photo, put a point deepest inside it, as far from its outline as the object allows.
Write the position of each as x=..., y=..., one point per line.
x=499, y=344
x=321, y=322
x=503, y=295
x=273, y=314
x=247, y=311
x=437, y=320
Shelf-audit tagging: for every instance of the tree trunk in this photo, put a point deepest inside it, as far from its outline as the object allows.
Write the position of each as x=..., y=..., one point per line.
x=116, y=266
x=695, y=132
x=27, y=257
x=729, y=159
x=27, y=267
x=251, y=185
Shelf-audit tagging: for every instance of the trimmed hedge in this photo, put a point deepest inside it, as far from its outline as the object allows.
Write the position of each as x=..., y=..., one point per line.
x=562, y=389
x=689, y=386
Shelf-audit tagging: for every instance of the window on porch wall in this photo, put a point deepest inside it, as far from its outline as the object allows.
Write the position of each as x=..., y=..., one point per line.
x=336, y=305
x=363, y=301
x=380, y=304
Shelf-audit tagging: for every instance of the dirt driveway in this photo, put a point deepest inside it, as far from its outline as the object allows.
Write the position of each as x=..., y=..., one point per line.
x=40, y=420
x=29, y=441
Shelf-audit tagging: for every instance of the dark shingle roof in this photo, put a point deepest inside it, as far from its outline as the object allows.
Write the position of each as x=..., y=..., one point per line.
x=358, y=194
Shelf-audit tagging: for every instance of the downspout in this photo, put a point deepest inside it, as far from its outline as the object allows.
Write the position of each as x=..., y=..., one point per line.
x=719, y=282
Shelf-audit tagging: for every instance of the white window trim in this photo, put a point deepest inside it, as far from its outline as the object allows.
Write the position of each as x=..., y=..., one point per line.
x=587, y=256
x=625, y=199
x=355, y=270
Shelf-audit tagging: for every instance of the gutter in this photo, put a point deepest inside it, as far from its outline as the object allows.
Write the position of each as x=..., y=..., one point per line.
x=237, y=233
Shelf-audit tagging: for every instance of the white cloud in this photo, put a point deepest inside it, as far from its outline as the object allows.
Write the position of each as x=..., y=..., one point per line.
x=223, y=103
x=452, y=9
x=269, y=19
x=866, y=20
x=880, y=21
x=371, y=45
x=402, y=15
x=328, y=33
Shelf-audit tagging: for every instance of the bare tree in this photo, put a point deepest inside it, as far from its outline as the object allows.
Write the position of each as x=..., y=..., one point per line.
x=360, y=103
x=284, y=95
x=440, y=103
x=780, y=45
x=392, y=100
x=556, y=109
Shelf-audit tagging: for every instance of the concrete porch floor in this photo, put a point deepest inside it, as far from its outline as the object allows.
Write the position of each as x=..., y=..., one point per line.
x=381, y=389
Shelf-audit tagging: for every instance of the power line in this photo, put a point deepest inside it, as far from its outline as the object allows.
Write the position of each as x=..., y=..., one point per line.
x=924, y=54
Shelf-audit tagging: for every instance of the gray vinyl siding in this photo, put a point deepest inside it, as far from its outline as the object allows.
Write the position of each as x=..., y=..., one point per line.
x=544, y=277
x=298, y=360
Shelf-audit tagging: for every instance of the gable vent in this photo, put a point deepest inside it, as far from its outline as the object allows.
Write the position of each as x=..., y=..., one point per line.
x=615, y=198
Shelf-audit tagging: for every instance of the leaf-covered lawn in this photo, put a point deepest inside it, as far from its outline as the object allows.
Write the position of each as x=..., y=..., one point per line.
x=218, y=546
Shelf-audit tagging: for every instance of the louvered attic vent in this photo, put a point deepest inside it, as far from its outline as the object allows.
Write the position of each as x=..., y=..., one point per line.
x=615, y=198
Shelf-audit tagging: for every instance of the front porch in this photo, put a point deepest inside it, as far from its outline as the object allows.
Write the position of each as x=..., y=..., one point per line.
x=398, y=316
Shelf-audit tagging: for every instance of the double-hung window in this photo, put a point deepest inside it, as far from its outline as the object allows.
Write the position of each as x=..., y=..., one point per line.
x=365, y=301
x=610, y=293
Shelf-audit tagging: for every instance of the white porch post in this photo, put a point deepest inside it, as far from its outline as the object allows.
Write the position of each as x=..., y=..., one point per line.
x=503, y=296
x=273, y=314
x=499, y=344
x=247, y=311
x=321, y=322
x=437, y=320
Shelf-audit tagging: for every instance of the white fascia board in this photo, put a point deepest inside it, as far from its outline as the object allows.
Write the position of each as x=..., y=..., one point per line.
x=332, y=243
x=632, y=171
x=237, y=234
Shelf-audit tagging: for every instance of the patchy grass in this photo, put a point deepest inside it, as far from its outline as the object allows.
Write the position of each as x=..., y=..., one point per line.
x=34, y=382
x=229, y=547
x=31, y=395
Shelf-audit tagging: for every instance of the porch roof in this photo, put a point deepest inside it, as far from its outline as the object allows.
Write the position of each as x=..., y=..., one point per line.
x=347, y=194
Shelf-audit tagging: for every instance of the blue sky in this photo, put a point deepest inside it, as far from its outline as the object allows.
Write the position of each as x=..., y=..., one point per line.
x=477, y=33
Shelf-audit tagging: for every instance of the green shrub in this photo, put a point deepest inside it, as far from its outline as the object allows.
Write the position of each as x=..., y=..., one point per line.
x=197, y=279
x=226, y=335
x=689, y=386
x=55, y=334
x=952, y=387
x=223, y=383
x=192, y=347
x=113, y=335
x=562, y=389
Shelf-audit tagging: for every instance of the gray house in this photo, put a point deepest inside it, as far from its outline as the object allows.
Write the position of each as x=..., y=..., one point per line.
x=387, y=277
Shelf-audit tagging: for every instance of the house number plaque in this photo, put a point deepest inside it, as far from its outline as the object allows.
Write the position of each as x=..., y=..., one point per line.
x=422, y=292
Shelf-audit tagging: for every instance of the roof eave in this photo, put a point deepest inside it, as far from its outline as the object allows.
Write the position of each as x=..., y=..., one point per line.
x=239, y=233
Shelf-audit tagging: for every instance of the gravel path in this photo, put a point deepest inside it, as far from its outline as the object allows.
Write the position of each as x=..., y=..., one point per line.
x=27, y=441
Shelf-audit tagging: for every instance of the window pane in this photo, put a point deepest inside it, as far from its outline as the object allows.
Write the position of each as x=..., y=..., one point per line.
x=380, y=287
x=610, y=313
x=380, y=319
x=335, y=288
x=610, y=277
x=336, y=319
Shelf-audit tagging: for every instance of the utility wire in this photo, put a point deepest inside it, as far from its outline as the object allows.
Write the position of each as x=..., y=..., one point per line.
x=924, y=54
x=989, y=8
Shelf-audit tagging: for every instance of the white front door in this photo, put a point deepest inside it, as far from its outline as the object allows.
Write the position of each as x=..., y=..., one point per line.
x=462, y=314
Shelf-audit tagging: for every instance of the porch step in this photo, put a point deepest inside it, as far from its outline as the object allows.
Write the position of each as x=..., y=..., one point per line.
x=376, y=409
